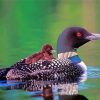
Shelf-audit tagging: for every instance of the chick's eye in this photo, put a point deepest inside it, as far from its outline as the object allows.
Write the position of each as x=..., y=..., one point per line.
x=78, y=34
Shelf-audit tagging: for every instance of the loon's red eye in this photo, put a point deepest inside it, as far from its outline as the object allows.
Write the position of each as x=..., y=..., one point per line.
x=78, y=34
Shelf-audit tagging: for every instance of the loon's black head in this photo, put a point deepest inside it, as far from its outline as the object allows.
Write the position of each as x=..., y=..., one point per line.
x=74, y=37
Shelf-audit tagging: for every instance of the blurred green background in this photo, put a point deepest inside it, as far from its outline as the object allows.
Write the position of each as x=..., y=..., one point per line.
x=25, y=25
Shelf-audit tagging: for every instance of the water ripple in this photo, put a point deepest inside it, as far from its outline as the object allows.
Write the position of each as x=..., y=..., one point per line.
x=93, y=72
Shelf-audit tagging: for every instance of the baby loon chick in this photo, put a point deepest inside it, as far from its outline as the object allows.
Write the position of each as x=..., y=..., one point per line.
x=44, y=54
x=68, y=66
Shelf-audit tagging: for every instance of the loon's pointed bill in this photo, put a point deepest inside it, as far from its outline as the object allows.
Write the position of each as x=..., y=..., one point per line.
x=93, y=37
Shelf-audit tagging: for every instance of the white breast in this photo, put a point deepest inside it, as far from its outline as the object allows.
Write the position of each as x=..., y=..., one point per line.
x=84, y=75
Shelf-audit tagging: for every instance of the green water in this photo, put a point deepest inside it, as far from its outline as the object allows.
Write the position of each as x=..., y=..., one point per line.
x=25, y=25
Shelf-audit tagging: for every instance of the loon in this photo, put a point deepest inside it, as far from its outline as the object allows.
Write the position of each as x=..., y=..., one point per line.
x=68, y=66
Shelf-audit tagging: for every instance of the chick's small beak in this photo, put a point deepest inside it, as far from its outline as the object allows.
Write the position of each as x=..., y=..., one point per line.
x=53, y=51
x=93, y=37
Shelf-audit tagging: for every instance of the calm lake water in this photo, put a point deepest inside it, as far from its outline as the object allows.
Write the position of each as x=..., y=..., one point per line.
x=37, y=90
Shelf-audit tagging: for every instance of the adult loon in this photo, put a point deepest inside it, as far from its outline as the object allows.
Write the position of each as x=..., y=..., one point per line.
x=68, y=66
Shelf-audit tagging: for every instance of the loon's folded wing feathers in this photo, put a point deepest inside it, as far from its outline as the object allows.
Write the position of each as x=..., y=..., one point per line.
x=48, y=70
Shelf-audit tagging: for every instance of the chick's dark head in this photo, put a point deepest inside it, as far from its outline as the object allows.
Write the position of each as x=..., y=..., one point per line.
x=47, y=48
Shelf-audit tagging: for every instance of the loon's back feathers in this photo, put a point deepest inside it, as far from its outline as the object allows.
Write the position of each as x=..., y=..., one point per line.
x=56, y=69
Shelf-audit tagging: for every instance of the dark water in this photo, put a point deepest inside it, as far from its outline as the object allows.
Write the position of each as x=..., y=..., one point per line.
x=50, y=90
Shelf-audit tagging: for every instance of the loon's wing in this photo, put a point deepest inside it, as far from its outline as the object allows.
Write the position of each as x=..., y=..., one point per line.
x=47, y=70
x=4, y=71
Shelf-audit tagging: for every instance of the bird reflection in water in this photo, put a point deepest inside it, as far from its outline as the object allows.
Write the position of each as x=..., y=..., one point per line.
x=48, y=89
